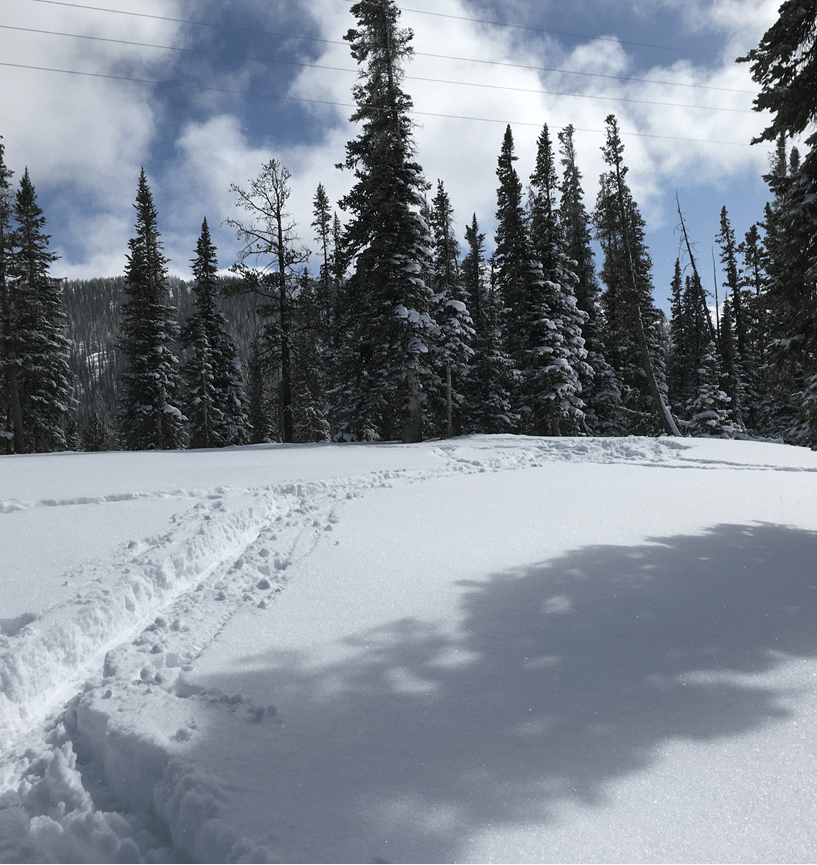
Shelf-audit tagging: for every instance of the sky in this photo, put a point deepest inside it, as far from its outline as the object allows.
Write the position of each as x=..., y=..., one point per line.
x=203, y=93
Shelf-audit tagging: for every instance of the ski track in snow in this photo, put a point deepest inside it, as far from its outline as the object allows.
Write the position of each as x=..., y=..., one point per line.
x=128, y=639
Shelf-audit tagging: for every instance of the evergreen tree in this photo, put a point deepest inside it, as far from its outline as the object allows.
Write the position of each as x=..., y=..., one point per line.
x=12, y=438
x=452, y=350
x=149, y=412
x=710, y=410
x=600, y=391
x=552, y=341
x=384, y=311
x=214, y=398
x=783, y=65
x=309, y=372
x=327, y=282
x=634, y=325
x=487, y=407
x=681, y=375
x=261, y=404
x=514, y=268
x=37, y=344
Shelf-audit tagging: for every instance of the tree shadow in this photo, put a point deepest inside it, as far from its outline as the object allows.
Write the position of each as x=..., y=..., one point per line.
x=563, y=676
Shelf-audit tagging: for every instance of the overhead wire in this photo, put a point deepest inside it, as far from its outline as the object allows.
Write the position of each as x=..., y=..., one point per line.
x=415, y=112
x=303, y=64
x=341, y=69
x=478, y=60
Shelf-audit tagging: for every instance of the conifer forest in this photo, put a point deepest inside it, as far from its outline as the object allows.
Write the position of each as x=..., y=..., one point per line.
x=395, y=328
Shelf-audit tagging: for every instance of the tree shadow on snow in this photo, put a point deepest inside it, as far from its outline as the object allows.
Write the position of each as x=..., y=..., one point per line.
x=566, y=675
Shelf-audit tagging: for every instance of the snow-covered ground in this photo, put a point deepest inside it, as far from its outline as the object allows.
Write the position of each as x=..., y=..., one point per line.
x=487, y=649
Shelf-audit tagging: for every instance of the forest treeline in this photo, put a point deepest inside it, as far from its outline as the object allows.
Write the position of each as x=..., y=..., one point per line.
x=402, y=330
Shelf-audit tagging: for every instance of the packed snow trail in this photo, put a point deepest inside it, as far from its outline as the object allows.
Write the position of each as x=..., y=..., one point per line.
x=173, y=704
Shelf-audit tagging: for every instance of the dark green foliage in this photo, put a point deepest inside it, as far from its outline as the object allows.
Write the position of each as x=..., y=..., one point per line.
x=600, y=391
x=490, y=379
x=452, y=351
x=552, y=348
x=634, y=336
x=214, y=387
x=384, y=307
x=37, y=387
x=149, y=414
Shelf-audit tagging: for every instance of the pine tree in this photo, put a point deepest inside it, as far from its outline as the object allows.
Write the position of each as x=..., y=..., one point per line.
x=37, y=345
x=682, y=364
x=452, y=350
x=487, y=407
x=600, y=391
x=709, y=411
x=149, y=412
x=783, y=65
x=514, y=268
x=552, y=341
x=12, y=438
x=635, y=343
x=385, y=304
x=327, y=283
x=214, y=397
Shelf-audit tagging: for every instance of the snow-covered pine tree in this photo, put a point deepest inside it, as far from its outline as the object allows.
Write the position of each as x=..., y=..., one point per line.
x=600, y=391
x=634, y=324
x=709, y=412
x=734, y=375
x=739, y=363
x=679, y=364
x=487, y=406
x=553, y=347
x=149, y=414
x=452, y=351
x=783, y=65
x=311, y=351
x=40, y=348
x=384, y=306
x=326, y=287
x=214, y=387
x=513, y=261
x=11, y=417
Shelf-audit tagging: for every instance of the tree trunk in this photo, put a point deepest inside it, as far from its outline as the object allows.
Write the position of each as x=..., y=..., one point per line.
x=449, y=424
x=414, y=431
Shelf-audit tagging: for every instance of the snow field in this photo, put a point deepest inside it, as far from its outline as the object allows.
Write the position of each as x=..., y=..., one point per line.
x=437, y=659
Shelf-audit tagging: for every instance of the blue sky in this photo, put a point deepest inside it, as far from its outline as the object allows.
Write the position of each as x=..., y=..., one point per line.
x=261, y=79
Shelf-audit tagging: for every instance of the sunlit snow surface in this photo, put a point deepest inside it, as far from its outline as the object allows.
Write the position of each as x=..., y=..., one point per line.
x=487, y=649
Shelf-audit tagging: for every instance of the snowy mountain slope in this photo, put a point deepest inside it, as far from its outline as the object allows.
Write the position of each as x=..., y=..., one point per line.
x=484, y=649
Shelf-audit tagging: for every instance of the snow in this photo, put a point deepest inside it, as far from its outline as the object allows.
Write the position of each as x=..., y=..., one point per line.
x=484, y=649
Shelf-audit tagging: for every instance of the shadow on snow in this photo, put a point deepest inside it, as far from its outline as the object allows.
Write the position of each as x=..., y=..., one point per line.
x=566, y=675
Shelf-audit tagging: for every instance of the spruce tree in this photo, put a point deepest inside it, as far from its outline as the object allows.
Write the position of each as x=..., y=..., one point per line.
x=37, y=345
x=452, y=350
x=635, y=326
x=600, y=391
x=214, y=397
x=12, y=438
x=552, y=340
x=514, y=268
x=384, y=313
x=783, y=65
x=709, y=412
x=487, y=407
x=149, y=412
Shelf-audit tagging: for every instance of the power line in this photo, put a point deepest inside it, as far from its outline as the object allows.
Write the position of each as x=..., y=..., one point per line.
x=417, y=53
x=560, y=32
x=353, y=71
x=341, y=104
